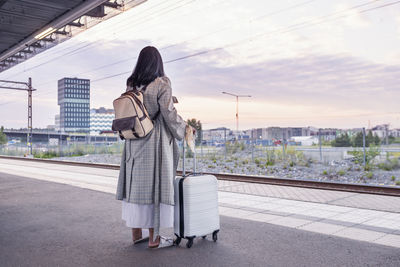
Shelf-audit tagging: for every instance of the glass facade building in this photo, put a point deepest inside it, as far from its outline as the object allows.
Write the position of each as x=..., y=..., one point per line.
x=74, y=102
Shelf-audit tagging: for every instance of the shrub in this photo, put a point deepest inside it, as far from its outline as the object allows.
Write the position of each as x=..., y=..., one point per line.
x=270, y=163
x=370, y=154
x=233, y=148
x=341, y=172
x=271, y=157
x=397, y=182
x=242, y=146
x=325, y=172
x=389, y=164
x=369, y=175
x=45, y=155
x=368, y=167
x=393, y=178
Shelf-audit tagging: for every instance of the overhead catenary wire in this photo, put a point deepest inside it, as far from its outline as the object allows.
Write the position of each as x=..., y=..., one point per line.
x=55, y=50
x=290, y=28
x=87, y=46
x=250, y=38
x=196, y=38
x=301, y=25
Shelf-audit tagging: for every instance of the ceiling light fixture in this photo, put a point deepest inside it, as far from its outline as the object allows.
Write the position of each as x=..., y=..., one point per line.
x=43, y=34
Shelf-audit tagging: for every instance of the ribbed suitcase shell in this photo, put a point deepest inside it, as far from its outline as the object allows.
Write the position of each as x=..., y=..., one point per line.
x=199, y=206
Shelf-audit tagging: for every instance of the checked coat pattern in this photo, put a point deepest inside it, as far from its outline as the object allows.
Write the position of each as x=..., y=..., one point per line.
x=148, y=165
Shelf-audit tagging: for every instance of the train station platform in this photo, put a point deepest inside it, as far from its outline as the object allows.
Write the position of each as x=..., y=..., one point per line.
x=63, y=215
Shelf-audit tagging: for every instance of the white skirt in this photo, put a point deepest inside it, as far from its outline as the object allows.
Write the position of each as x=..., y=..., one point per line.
x=142, y=216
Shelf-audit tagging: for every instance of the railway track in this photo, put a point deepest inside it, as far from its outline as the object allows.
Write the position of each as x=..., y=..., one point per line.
x=356, y=188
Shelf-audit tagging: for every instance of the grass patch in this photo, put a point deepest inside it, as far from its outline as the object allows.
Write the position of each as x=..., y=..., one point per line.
x=369, y=175
x=46, y=154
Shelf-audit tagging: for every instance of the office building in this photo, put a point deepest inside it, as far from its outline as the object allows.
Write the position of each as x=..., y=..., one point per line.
x=74, y=102
x=57, y=122
x=101, y=120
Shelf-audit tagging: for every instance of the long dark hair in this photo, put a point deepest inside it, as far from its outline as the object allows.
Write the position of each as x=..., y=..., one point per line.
x=149, y=66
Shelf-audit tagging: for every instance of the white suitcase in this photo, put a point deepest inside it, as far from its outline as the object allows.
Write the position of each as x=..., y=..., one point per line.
x=196, y=206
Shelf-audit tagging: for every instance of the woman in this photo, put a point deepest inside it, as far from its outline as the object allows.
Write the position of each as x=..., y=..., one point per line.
x=148, y=165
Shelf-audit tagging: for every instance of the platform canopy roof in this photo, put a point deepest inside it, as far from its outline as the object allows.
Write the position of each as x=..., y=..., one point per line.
x=28, y=27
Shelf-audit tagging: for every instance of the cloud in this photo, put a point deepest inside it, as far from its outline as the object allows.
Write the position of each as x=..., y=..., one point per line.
x=336, y=90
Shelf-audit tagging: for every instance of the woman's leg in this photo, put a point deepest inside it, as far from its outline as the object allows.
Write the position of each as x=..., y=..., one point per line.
x=151, y=243
x=136, y=234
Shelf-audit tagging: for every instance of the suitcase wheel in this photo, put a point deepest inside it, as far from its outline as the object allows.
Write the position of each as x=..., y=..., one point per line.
x=189, y=242
x=215, y=236
x=204, y=236
x=178, y=240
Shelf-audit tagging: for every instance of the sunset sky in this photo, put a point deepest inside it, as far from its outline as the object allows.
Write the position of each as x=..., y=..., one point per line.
x=305, y=63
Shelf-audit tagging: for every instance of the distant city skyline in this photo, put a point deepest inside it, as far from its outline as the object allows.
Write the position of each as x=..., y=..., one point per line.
x=339, y=73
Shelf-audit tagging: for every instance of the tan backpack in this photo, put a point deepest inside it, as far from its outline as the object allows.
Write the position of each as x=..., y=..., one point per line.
x=132, y=120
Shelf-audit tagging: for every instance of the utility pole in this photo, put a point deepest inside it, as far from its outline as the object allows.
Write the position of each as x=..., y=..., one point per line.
x=237, y=108
x=283, y=143
x=225, y=142
x=23, y=86
x=320, y=144
x=29, y=134
x=364, y=156
x=387, y=133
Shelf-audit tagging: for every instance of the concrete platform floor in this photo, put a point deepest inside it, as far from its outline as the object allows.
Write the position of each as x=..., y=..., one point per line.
x=52, y=224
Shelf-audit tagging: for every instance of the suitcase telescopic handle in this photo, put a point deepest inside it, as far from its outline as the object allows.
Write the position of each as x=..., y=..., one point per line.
x=184, y=157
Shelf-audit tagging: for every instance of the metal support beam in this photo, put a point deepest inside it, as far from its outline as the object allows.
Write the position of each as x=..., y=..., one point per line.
x=63, y=32
x=112, y=4
x=48, y=39
x=36, y=45
x=29, y=135
x=71, y=15
x=23, y=86
x=75, y=24
x=27, y=51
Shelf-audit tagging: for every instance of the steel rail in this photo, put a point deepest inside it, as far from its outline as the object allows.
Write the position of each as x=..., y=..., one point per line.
x=335, y=186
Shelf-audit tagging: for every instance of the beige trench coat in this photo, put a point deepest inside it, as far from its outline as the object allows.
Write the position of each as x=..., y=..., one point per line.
x=148, y=165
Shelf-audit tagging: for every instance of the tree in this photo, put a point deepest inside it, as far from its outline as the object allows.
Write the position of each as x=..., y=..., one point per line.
x=342, y=141
x=358, y=140
x=377, y=140
x=3, y=137
x=199, y=131
x=369, y=139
